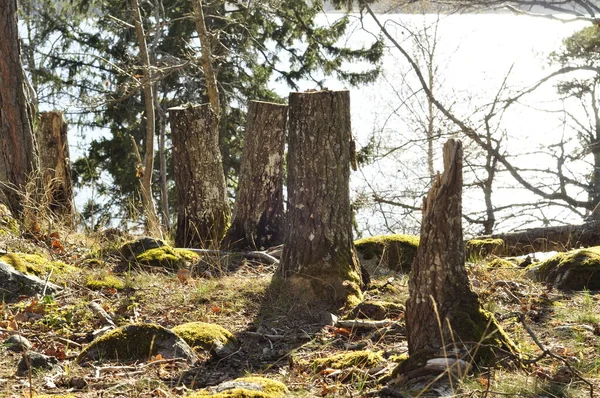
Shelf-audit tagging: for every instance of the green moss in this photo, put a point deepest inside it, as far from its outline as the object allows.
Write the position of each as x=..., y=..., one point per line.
x=501, y=263
x=203, y=336
x=476, y=249
x=396, y=252
x=8, y=225
x=36, y=264
x=166, y=257
x=376, y=310
x=106, y=281
x=362, y=359
x=573, y=270
x=262, y=388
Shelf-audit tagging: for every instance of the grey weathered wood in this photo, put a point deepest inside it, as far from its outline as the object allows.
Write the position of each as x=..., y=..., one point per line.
x=55, y=167
x=319, y=259
x=202, y=208
x=258, y=211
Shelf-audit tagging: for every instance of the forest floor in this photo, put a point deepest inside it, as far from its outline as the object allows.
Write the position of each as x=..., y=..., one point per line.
x=558, y=332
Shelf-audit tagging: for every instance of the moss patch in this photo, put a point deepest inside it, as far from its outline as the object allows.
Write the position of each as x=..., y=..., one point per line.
x=166, y=257
x=396, y=252
x=376, y=310
x=36, y=264
x=573, y=270
x=8, y=225
x=501, y=263
x=247, y=387
x=202, y=336
x=106, y=281
x=361, y=359
x=480, y=248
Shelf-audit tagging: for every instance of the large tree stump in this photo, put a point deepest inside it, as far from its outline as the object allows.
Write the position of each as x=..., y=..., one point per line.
x=319, y=260
x=442, y=308
x=55, y=166
x=18, y=151
x=202, y=208
x=258, y=211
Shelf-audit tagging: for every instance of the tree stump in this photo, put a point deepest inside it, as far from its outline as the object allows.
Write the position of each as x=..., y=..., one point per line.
x=442, y=308
x=55, y=166
x=258, y=211
x=202, y=208
x=319, y=260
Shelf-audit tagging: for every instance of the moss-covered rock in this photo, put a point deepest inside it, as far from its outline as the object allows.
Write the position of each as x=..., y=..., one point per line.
x=209, y=337
x=104, y=281
x=245, y=387
x=131, y=249
x=137, y=342
x=573, y=270
x=166, y=257
x=36, y=264
x=395, y=252
x=361, y=359
x=8, y=225
x=501, y=263
x=476, y=249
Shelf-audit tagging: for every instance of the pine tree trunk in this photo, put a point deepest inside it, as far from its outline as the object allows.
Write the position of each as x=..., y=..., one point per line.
x=18, y=152
x=319, y=260
x=442, y=308
x=258, y=212
x=202, y=208
x=55, y=167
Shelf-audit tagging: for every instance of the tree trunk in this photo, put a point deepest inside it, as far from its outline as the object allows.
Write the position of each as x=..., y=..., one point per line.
x=319, y=260
x=18, y=152
x=442, y=308
x=55, y=167
x=202, y=208
x=258, y=211
x=152, y=222
x=544, y=239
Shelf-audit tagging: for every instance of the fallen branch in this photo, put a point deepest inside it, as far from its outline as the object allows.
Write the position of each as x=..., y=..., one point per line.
x=362, y=323
x=259, y=255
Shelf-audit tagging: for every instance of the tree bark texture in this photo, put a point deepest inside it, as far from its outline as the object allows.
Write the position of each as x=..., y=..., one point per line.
x=202, y=208
x=318, y=258
x=544, y=239
x=55, y=167
x=442, y=308
x=258, y=211
x=18, y=152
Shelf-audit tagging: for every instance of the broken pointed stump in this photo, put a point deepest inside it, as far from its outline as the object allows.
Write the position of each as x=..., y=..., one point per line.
x=442, y=309
x=319, y=263
x=258, y=212
x=202, y=208
x=55, y=166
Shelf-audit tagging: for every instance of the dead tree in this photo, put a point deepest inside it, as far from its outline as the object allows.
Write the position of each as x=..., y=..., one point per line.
x=258, y=211
x=55, y=166
x=319, y=260
x=18, y=151
x=442, y=309
x=202, y=208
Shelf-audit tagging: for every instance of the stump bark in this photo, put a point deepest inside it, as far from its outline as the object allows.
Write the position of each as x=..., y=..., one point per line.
x=258, y=210
x=202, y=208
x=55, y=166
x=319, y=260
x=442, y=308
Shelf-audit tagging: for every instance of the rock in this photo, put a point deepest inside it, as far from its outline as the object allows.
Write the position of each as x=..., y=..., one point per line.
x=36, y=362
x=17, y=343
x=209, y=337
x=394, y=252
x=376, y=310
x=8, y=225
x=130, y=250
x=14, y=283
x=247, y=387
x=476, y=249
x=137, y=342
x=573, y=270
x=327, y=318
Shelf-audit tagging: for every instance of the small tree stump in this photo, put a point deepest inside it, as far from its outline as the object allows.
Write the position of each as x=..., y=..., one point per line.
x=202, y=208
x=442, y=308
x=55, y=166
x=319, y=260
x=258, y=211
